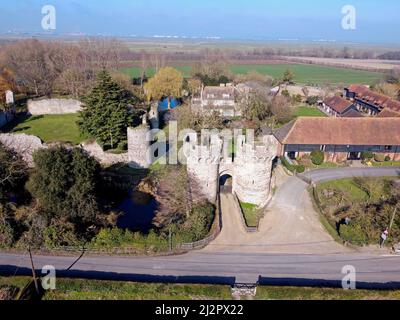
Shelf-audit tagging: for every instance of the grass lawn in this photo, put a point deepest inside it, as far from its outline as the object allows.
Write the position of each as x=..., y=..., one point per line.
x=76, y=289
x=305, y=111
x=346, y=186
x=386, y=164
x=301, y=293
x=51, y=128
x=304, y=74
x=251, y=214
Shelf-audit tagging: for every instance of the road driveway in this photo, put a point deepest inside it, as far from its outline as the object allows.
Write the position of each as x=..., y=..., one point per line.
x=290, y=225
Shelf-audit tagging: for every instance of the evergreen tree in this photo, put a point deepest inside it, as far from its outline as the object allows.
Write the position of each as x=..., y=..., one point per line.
x=105, y=115
x=65, y=183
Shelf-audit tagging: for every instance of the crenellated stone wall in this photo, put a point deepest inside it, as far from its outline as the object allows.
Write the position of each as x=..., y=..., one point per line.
x=203, y=166
x=253, y=170
x=53, y=106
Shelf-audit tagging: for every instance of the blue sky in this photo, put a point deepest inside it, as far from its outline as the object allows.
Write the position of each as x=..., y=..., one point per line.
x=377, y=21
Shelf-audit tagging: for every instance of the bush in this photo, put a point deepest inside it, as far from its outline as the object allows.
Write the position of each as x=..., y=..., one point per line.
x=199, y=223
x=317, y=157
x=353, y=233
x=387, y=159
x=313, y=100
x=286, y=93
x=291, y=167
x=367, y=155
x=119, y=238
x=6, y=235
x=379, y=157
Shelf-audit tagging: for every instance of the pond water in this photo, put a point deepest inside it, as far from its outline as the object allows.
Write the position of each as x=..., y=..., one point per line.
x=138, y=213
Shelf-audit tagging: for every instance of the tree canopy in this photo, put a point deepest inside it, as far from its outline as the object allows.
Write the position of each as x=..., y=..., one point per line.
x=105, y=114
x=13, y=172
x=167, y=82
x=288, y=76
x=65, y=182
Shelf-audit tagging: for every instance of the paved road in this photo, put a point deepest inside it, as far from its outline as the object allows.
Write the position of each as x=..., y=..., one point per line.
x=298, y=263
x=224, y=268
x=291, y=224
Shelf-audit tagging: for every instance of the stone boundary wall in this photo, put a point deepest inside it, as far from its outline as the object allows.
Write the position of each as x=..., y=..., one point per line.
x=106, y=158
x=25, y=145
x=53, y=106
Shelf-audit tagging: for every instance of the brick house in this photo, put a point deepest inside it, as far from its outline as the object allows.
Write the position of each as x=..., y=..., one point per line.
x=340, y=138
x=220, y=99
x=370, y=102
x=339, y=107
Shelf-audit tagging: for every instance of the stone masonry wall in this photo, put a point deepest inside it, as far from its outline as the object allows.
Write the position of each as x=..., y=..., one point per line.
x=253, y=170
x=53, y=106
x=138, y=147
x=203, y=167
x=23, y=144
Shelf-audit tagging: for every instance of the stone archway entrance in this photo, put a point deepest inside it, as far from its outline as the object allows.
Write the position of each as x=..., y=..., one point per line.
x=226, y=183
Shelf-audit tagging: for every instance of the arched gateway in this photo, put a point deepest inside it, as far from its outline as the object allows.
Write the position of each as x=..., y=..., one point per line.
x=248, y=174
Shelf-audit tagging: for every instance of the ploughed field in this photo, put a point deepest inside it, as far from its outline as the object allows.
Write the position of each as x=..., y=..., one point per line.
x=304, y=74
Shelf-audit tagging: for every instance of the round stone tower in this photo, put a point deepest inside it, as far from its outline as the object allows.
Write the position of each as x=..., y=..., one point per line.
x=253, y=170
x=203, y=167
x=139, y=147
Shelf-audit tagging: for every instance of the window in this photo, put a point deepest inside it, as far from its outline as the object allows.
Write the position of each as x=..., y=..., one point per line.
x=323, y=148
x=388, y=148
x=210, y=96
x=226, y=96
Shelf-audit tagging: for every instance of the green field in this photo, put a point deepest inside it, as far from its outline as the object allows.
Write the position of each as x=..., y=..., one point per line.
x=304, y=74
x=52, y=128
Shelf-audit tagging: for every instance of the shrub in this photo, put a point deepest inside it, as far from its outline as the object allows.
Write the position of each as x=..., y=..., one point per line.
x=292, y=167
x=367, y=155
x=313, y=100
x=199, y=223
x=353, y=233
x=387, y=159
x=286, y=93
x=317, y=157
x=6, y=235
x=379, y=157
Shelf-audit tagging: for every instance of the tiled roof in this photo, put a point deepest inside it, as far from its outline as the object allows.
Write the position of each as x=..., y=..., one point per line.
x=372, y=97
x=338, y=104
x=352, y=113
x=387, y=113
x=219, y=93
x=341, y=131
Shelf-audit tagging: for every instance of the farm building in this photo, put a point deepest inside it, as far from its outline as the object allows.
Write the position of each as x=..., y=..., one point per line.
x=370, y=102
x=339, y=107
x=340, y=138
